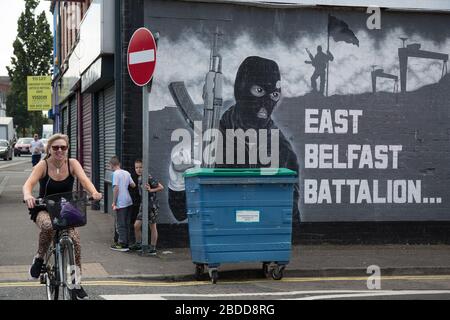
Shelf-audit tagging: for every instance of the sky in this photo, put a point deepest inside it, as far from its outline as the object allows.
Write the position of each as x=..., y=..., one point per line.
x=11, y=10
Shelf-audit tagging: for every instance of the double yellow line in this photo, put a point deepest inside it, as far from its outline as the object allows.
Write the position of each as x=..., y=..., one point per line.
x=124, y=283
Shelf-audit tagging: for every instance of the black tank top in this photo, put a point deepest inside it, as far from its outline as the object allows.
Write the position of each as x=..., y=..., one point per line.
x=48, y=186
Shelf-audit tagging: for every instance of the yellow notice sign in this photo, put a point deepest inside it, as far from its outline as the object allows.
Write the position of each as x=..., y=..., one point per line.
x=39, y=89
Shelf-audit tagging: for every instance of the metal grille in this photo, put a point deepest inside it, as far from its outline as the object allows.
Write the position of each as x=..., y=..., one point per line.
x=106, y=133
x=101, y=142
x=87, y=134
x=73, y=128
x=65, y=120
x=110, y=124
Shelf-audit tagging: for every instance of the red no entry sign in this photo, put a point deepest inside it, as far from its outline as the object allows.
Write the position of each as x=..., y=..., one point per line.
x=141, y=56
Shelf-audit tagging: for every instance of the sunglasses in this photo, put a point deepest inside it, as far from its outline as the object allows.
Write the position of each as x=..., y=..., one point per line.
x=55, y=148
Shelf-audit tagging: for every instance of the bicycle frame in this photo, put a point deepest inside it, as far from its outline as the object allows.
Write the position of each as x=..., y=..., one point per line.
x=59, y=269
x=63, y=274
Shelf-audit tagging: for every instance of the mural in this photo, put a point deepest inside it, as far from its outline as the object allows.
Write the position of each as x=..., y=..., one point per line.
x=362, y=115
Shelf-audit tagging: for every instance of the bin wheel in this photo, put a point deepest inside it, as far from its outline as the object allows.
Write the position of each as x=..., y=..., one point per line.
x=265, y=269
x=199, y=269
x=277, y=272
x=214, y=276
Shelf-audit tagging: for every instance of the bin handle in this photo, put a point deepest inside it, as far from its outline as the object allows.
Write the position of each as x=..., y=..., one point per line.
x=261, y=171
x=236, y=170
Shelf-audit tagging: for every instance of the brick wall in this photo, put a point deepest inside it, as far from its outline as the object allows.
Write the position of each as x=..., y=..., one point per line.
x=132, y=18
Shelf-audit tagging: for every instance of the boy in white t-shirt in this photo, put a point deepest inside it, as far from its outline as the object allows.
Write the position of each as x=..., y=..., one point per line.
x=122, y=203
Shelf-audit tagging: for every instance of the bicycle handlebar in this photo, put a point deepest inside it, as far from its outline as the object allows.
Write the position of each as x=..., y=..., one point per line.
x=40, y=201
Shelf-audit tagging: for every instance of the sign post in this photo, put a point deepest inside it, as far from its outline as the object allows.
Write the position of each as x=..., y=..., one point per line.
x=145, y=164
x=141, y=63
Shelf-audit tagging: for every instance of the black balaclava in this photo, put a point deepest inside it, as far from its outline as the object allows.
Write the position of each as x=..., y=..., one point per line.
x=256, y=111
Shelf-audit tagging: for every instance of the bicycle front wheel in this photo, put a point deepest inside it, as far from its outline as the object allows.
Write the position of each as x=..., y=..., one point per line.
x=68, y=272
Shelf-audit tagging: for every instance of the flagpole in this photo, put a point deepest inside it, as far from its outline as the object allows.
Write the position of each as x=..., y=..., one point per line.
x=328, y=49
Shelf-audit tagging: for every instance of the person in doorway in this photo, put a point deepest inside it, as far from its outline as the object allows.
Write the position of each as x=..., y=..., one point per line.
x=122, y=204
x=153, y=186
x=37, y=148
x=55, y=174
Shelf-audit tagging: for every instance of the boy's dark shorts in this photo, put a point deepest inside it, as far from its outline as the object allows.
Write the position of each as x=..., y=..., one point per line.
x=152, y=215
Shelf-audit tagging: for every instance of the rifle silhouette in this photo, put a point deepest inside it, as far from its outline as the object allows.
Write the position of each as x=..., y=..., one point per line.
x=310, y=56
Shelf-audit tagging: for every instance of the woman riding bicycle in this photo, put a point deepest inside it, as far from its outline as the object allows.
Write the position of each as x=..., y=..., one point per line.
x=55, y=174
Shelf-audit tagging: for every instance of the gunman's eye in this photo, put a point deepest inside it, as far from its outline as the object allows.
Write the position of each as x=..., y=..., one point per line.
x=275, y=96
x=257, y=91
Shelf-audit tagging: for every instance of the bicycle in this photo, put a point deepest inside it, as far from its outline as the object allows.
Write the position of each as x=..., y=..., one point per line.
x=59, y=271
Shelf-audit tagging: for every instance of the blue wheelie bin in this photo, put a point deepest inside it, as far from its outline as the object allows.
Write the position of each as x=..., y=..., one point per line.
x=240, y=215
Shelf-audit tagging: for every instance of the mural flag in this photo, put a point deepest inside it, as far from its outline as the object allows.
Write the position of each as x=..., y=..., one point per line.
x=340, y=31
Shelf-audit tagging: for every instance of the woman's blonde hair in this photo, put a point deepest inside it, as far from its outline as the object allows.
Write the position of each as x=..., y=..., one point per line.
x=53, y=138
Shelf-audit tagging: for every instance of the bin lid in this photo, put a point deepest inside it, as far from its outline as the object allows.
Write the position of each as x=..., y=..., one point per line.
x=239, y=172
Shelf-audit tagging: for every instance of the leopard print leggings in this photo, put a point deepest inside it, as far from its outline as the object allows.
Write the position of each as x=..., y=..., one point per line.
x=47, y=233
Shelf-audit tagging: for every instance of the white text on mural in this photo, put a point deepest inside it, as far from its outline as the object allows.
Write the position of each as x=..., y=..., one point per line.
x=354, y=156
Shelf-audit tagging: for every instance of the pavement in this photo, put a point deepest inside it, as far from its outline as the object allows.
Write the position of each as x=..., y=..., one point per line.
x=18, y=244
x=306, y=260
x=99, y=261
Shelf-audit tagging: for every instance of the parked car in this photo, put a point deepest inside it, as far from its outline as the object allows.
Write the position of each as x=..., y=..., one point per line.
x=23, y=146
x=6, y=150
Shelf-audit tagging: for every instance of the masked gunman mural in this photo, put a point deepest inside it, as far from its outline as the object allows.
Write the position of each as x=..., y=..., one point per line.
x=257, y=91
x=365, y=121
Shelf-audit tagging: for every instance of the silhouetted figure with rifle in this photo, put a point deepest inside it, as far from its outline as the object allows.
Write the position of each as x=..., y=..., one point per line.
x=319, y=62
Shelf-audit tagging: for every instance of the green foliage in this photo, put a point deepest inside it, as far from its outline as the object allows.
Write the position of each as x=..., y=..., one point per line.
x=32, y=57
